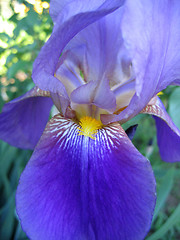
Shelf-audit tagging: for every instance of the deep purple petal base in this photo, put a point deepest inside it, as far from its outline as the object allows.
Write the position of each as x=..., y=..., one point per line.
x=77, y=188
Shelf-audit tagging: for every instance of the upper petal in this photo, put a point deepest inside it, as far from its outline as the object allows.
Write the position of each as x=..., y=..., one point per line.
x=46, y=63
x=56, y=7
x=103, y=50
x=152, y=34
x=73, y=7
x=97, y=52
x=23, y=120
x=168, y=135
x=77, y=188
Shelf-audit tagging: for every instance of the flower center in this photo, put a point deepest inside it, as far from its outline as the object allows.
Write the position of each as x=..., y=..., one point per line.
x=89, y=126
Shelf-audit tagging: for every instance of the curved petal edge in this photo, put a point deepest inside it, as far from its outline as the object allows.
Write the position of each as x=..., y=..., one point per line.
x=23, y=120
x=168, y=135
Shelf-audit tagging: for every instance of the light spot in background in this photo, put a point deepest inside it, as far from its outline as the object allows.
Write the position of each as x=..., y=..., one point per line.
x=21, y=8
x=4, y=81
x=38, y=5
x=21, y=76
x=4, y=95
x=12, y=81
x=13, y=89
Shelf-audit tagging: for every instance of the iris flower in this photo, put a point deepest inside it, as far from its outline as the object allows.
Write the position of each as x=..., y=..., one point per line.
x=104, y=63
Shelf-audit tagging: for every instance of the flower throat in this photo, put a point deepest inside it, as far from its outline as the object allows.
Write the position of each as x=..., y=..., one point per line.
x=89, y=126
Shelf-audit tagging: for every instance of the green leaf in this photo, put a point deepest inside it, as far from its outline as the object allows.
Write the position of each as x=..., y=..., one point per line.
x=170, y=223
x=7, y=219
x=2, y=50
x=10, y=58
x=14, y=18
x=4, y=37
x=174, y=109
x=26, y=48
x=163, y=191
x=32, y=19
x=20, y=235
x=20, y=65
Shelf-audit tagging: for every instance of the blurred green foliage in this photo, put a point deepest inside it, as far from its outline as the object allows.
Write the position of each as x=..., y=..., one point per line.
x=21, y=37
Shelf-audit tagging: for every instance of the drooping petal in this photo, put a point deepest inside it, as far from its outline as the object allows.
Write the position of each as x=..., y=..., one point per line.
x=77, y=188
x=46, y=63
x=23, y=120
x=168, y=135
x=151, y=32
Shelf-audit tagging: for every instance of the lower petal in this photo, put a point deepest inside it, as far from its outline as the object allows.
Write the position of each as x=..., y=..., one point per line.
x=23, y=120
x=168, y=135
x=77, y=188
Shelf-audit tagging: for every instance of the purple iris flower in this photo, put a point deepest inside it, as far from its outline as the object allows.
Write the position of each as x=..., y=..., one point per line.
x=104, y=63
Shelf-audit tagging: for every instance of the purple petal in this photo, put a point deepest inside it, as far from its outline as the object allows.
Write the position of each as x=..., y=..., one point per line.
x=78, y=6
x=56, y=7
x=46, y=63
x=176, y=82
x=23, y=120
x=152, y=32
x=124, y=93
x=131, y=131
x=62, y=103
x=95, y=51
x=152, y=35
x=77, y=188
x=68, y=72
x=168, y=135
x=103, y=49
x=97, y=93
x=124, y=98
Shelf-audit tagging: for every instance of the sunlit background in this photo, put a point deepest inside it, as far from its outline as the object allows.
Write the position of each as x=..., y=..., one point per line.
x=24, y=27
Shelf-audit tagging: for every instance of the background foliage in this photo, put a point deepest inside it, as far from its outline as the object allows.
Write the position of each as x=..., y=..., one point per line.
x=24, y=27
